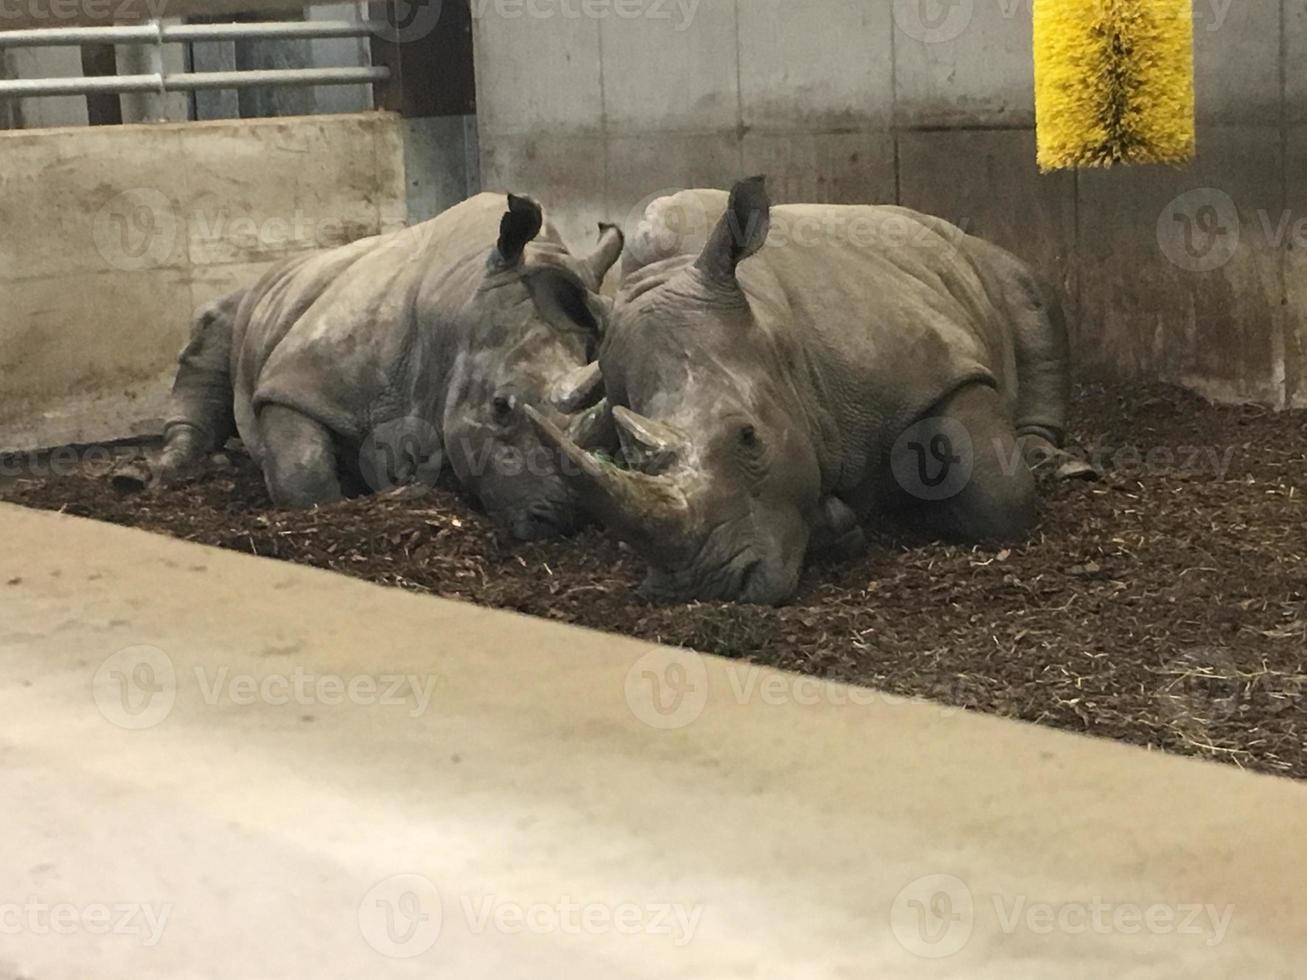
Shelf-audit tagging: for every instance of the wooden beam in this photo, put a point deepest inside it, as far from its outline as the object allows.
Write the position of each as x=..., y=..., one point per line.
x=27, y=14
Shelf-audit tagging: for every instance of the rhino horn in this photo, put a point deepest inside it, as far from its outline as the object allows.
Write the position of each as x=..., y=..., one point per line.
x=605, y=255
x=578, y=389
x=594, y=429
x=648, y=511
x=649, y=446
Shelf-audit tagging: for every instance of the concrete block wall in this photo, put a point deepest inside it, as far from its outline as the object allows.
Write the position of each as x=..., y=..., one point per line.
x=1192, y=275
x=113, y=235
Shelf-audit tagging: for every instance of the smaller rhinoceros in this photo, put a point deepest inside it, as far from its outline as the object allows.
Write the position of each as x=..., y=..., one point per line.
x=366, y=366
x=866, y=360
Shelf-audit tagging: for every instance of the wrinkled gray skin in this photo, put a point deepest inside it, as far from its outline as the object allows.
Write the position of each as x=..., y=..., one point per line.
x=760, y=405
x=364, y=367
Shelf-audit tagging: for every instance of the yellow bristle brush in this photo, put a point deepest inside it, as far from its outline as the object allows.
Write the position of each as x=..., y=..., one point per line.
x=1114, y=82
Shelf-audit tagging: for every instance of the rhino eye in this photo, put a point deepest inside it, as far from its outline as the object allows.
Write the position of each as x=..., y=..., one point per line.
x=502, y=406
x=748, y=437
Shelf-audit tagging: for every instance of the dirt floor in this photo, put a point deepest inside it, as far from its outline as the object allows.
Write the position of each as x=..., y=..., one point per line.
x=1165, y=605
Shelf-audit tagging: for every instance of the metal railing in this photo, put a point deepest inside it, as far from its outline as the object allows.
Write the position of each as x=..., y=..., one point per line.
x=158, y=81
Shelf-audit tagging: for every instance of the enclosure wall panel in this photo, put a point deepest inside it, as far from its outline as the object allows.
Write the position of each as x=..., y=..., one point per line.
x=643, y=168
x=986, y=182
x=1237, y=59
x=830, y=168
x=1207, y=312
x=667, y=74
x=1295, y=56
x=1295, y=267
x=556, y=89
x=115, y=234
x=790, y=83
x=969, y=64
x=931, y=105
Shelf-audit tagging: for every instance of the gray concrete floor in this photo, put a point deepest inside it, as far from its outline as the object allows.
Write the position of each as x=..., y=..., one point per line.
x=217, y=766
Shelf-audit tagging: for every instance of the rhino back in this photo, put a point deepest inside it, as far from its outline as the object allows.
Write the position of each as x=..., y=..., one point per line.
x=890, y=312
x=343, y=335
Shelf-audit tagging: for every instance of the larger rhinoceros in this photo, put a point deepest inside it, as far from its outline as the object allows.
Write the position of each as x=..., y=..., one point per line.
x=369, y=364
x=866, y=360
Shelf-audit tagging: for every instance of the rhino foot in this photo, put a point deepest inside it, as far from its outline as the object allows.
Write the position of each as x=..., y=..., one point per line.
x=1076, y=469
x=182, y=458
x=1048, y=462
x=407, y=491
x=846, y=548
x=130, y=476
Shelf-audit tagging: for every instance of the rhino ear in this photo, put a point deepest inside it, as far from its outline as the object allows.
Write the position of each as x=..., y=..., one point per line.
x=605, y=255
x=519, y=225
x=565, y=302
x=741, y=231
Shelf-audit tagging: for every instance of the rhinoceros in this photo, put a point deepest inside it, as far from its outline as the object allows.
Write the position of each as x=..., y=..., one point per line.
x=864, y=361
x=366, y=366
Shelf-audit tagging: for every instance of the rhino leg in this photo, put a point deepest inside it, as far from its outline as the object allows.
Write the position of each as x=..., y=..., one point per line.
x=995, y=499
x=299, y=459
x=1043, y=362
x=201, y=418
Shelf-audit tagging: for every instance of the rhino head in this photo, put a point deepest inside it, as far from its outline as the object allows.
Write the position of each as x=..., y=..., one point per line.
x=721, y=492
x=527, y=339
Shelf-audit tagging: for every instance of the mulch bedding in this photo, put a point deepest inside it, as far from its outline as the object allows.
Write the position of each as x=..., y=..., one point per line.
x=1164, y=605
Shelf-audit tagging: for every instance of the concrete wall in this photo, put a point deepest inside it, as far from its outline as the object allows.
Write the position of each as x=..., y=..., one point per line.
x=599, y=106
x=113, y=235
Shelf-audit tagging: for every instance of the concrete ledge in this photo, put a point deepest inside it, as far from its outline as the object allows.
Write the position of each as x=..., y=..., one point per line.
x=114, y=235
x=559, y=803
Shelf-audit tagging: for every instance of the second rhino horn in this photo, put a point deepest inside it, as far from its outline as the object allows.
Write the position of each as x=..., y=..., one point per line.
x=578, y=389
x=648, y=446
